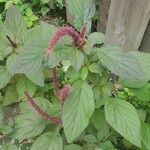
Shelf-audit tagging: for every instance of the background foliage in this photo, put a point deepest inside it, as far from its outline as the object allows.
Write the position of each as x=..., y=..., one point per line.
x=102, y=111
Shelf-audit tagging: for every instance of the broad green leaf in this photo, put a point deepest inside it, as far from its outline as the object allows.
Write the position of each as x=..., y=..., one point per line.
x=5, y=48
x=11, y=95
x=107, y=145
x=96, y=38
x=14, y=23
x=73, y=147
x=54, y=59
x=123, y=117
x=122, y=64
x=89, y=139
x=37, y=78
x=95, y=68
x=144, y=60
x=143, y=93
x=83, y=11
x=32, y=33
x=9, y=146
x=23, y=84
x=75, y=56
x=48, y=141
x=145, y=136
x=100, y=123
x=29, y=123
x=142, y=114
x=30, y=60
x=132, y=83
x=77, y=110
x=4, y=77
x=9, y=63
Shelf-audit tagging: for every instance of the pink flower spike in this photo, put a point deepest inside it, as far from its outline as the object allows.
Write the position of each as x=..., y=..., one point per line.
x=77, y=37
x=41, y=112
x=64, y=92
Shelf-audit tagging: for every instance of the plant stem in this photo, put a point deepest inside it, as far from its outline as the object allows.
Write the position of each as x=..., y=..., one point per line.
x=55, y=82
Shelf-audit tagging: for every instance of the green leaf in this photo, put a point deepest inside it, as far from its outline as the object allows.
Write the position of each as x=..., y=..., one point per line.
x=96, y=38
x=11, y=95
x=122, y=116
x=4, y=77
x=44, y=10
x=28, y=12
x=84, y=72
x=89, y=139
x=107, y=145
x=132, y=83
x=122, y=64
x=95, y=68
x=8, y=4
x=145, y=136
x=29, y=123
x=143, y=93
x=144, y=60
x=36, y=77
x=14, y=23
x=83, y=11
x=32, y=33
x=5, y=48
x=48, y=141
x=5, y=129
x=30, y=60
x=54, y=59
x=75, y=56
x=142, y=114
x=73, y=147
x=9, y=63
x=23, y=84
x=100, y=123
x=9, y=146
x=33, y=18
x=77, y=110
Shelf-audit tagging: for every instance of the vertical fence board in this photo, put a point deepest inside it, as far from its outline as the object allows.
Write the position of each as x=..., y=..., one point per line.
x=127, y=23
x=104, y=6
x=145, y=46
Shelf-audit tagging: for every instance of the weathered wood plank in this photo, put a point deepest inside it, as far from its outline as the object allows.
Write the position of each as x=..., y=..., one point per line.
x=127, y=23
x=145, y=46
x=104, y=6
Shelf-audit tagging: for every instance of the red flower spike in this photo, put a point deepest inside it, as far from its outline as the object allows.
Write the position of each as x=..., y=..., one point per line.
x=78, y=38
x=41, y=112
x=64, y=92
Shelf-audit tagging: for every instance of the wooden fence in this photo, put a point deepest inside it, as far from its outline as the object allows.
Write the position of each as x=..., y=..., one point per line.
x=126, y=23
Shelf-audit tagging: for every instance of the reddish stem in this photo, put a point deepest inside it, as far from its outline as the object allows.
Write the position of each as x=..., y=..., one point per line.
x=41, y=112
x=55, y=82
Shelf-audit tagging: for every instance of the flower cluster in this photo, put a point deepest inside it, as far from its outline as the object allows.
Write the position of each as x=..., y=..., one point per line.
x=78, y=37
